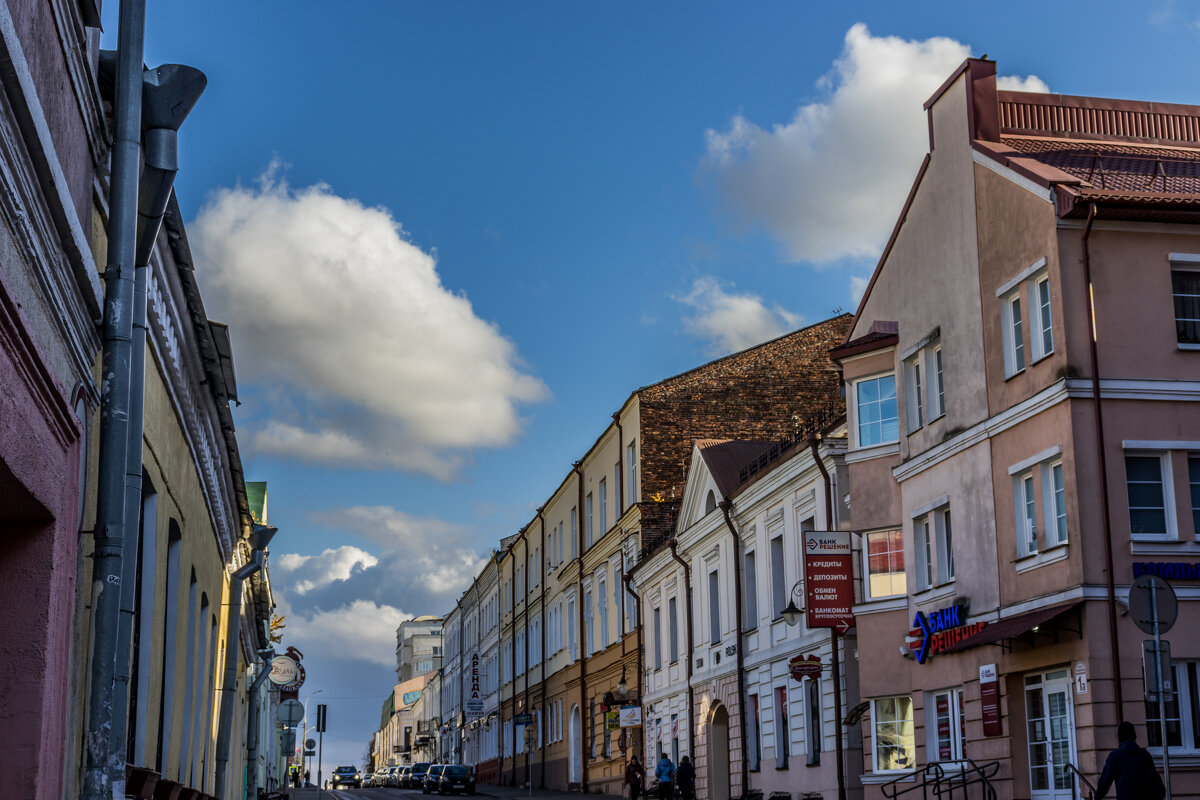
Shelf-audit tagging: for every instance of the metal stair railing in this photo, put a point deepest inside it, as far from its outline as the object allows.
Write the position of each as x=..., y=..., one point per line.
x=967, y=774
x=925, y=779
x=1079, y=783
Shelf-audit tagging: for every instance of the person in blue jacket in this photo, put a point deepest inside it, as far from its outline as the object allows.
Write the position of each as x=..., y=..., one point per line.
x=1132, y=770
x=664, y=773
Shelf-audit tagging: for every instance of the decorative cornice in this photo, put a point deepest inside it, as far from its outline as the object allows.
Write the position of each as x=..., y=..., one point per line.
x=73, y=39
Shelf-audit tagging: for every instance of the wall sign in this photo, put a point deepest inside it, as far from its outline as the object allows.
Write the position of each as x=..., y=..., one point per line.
x=801, y=667
x=474, y=702
x=408, y=698
x=934, y=632
x=989, y=695
x=829, y=580
x=1167, y=570
x=631, y=716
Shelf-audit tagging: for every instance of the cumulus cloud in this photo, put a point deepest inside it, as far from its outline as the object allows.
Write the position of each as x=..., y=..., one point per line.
x=858, y=287
x=304, y=573
x=829, y=183
x=727, y=321
x=361, y=630
x=330, y=302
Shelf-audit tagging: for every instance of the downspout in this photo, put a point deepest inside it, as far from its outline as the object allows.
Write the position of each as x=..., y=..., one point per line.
x=583, y=784
x=627, y=579
x=462, y=673
x=168, y=95
x=258, y=541
x=101, y=762
x=620, y=465
x=1110, y=582
x=525, y=687
x=687, y=588
x=252, y=729
x=543, y=578
x=835, y=655
x=725, y=506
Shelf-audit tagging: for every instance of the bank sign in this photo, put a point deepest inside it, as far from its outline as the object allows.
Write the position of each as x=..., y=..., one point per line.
x=938, y=630
x=829, y=580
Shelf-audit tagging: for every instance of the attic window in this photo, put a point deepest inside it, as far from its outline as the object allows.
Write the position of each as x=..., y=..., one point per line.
x=710, y=502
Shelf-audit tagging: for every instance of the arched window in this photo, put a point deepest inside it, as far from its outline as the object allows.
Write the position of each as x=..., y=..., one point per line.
x=170, y=597
x=189, y=683
x=146, y=548
x=710, y=502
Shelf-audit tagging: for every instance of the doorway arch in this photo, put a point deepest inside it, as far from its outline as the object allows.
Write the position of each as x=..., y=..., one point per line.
x=575, y=770
x=718, y=753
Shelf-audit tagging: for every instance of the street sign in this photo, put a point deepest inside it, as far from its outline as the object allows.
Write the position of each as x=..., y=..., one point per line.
x=1150, y=593
x=829, y=580
x=321, y=709
x=289, y=713
x=312, y=752
x=287, y=741
x=310, y=744
x=283, y=670
x=523, y=719
x=1163, y=648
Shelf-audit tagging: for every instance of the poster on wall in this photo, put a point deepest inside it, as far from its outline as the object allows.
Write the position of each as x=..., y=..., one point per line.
x=829, y=580
x=989, y=696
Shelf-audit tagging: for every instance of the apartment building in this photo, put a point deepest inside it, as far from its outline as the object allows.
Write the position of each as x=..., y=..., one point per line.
x=1021, y=380
x=418, y=647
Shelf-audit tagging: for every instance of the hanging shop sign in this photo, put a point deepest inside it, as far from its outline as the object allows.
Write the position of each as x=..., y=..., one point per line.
x=283, y=671
x=474, y=702
x=1167, y=570
x=829, y=580
x=934, y=632
x=631, y=716
x=801, y=667
x=989, y=696
x=612, y=720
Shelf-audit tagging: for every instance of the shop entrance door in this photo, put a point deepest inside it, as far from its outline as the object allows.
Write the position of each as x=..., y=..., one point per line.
x=1050, y=726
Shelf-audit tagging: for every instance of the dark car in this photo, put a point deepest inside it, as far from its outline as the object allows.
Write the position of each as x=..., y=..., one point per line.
x=432, y=778
x=416, y=778
x=402, y=778
x=346, y=776
x=456, y=778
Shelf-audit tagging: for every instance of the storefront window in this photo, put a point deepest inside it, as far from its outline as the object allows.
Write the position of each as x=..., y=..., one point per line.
x=946, y=725
x=1183, y=718
x=895, y=745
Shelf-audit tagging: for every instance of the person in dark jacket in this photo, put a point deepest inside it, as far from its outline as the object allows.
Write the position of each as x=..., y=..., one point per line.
x=685, y=776
x=1131, y=768
x=635, y=775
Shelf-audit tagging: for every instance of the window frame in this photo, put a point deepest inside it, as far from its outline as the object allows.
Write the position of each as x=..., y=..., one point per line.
x=898, y=534
x=913, y=389
x=856, y=387
x=1182, y=263
x=1013, y=334
x=1185, y=691
x=1166, y=481
x=1044, y=317
x=933, y=545
x=955, y=708
x=910, y=752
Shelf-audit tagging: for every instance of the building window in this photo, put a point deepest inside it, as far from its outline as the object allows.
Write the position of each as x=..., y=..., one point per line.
x=947, y=729
x=751, y=620
x=1043, y=337
x=1194, y=485
x=755, y=735
x=673, y=629
x=1185, y=285
x=812, y=694
x=1183, y=710
x=603, y=506
x=631, y=491
x=892, y=734
x=574, y=530
x=779, y=589
x=875, y=411
x=714, y=607
x=587, y=621
x=913, y=393
x=933, y=538
x=938, y=389
x=658, y=638
x=1147, y=495
x=885, y=564
x=602, y=603
x=587, y=521
x=1014, y=336
x=782, y=734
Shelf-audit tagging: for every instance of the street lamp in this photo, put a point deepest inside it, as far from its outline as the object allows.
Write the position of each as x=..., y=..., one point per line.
x=791, y=614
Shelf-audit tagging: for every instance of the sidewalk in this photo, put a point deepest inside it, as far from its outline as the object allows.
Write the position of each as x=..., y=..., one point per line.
x=517, y=793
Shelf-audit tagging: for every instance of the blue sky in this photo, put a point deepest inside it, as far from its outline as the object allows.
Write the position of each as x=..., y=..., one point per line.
x=451, y=238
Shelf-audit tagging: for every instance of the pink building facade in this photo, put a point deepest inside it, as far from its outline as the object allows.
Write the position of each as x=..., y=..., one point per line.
x=51, y=140
x=1010, y=474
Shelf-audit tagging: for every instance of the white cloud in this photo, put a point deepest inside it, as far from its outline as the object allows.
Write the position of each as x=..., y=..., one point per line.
x=1015, y=83
x=729, y=322
x=829, y=183
x=858, y=287
x=329, y=300
x=361, y=630
x=304, y=573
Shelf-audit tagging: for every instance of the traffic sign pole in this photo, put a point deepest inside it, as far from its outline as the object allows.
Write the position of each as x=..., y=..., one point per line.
x=1162, y=690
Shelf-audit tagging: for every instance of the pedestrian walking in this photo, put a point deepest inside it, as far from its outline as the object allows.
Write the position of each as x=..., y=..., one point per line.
x=635, y=776
x=1131, y=769
x=685, y=776
x=664, y=773
x=307, y=778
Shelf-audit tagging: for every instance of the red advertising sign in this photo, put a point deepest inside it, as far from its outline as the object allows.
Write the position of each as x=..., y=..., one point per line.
x=801, y=667
x=829, y=579
x=989, y=695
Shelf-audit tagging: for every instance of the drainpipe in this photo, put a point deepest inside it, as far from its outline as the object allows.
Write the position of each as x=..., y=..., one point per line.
x=525, y=688
x=252, y=727
x=726, y=505
x=620, y=465
x=687, y=587
x=1102, y=461
x=168, y=95
x=258, y=541
x=627, y=579
x=542, y=607
x=101, y=762
x=835, y=655
x=576, y=468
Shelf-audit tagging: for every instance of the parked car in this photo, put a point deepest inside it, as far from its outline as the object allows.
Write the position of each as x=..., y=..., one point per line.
x=456, y=778
x=379, y=779
x=432, y=777
x=393, y=777
x=346, y=776
x=416, y=779
x=405, y=774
